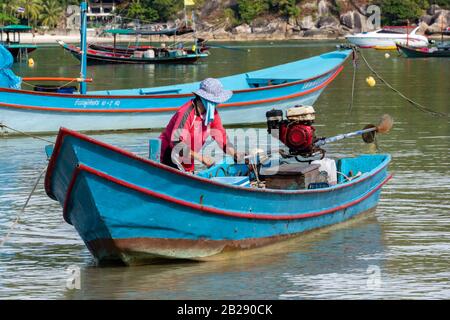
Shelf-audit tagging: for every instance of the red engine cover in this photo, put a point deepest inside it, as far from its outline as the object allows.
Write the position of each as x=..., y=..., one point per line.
x=298, y=137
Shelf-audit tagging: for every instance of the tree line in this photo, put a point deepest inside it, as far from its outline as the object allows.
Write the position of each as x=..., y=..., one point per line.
x=50, y=13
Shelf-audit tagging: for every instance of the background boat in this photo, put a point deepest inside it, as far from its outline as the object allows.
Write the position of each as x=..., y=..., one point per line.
x=134, y=210
x=387, y=38
x=286, y=85
x=132, y=48
x=440, y=51
x=150, y=56
x=10, y=38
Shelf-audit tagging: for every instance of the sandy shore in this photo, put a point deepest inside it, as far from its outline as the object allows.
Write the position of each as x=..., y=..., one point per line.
x=75, y=38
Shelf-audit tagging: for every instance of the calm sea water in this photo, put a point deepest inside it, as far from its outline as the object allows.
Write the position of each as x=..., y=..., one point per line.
x=401, y=251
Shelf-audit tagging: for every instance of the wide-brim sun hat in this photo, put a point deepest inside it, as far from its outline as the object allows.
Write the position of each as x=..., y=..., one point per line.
x=211, y=89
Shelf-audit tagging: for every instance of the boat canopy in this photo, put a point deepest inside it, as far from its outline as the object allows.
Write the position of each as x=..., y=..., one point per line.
x=15, y=28
x=144, y=32
x=121, y=31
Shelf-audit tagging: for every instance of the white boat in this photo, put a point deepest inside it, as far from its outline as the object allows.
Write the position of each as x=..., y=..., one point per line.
x=387, y=38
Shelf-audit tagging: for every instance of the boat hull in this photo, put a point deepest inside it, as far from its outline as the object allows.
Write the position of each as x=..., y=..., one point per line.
x=283, y=86
x=380, y=42
x=15, y=51
x=42, y=122
x=134, y=210
x=103, y=57
x=417, y=53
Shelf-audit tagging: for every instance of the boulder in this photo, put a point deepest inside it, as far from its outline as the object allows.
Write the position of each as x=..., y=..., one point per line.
x=328, y=22
x=243, y=29
x=321, y=33
x=306, y=23
x=426, y=19
x=359, y=22
x=323, y=9
x=432, y=9
x=347, y=19
x=440, y=20
x=423, y=27
x=354, y=20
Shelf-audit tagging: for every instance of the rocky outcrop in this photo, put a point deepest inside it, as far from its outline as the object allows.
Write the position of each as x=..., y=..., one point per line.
x=435, y=20
x=354, y=21
x=306, y=23
x=317, y=19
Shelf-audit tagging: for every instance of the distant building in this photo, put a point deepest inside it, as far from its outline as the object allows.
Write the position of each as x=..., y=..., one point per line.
x=102, y=8
x=100, y=13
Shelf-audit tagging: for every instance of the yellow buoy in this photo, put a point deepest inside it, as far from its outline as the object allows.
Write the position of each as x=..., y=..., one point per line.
x=387, y=55
x=31, y=62
x=371, y=81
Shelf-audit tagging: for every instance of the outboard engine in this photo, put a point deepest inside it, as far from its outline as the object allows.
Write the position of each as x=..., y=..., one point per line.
x=296, y=132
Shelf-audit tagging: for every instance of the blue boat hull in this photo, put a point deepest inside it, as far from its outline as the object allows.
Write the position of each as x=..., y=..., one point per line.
x=284, y=86
x=132, y=209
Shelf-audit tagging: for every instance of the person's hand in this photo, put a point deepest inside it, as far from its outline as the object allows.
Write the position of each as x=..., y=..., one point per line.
x=207, y=161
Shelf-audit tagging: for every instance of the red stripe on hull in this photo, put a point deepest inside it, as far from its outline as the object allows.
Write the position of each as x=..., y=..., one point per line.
x=64, y=132
x=202, y=208
x=169, y=109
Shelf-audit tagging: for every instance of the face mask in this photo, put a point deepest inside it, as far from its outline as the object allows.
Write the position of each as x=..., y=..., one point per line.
x=210, y=109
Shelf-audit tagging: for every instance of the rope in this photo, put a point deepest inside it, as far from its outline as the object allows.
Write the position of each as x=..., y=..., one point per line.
x=16, y=221
x=414, y=103
x=353, y=81
x=59, y=87
x=2, y=125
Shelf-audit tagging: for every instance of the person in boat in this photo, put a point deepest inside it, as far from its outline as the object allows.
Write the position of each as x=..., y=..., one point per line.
x=192, y=124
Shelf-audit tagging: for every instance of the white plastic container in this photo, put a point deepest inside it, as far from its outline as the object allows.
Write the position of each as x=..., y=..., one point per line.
x=329, y=166
x=149, y=54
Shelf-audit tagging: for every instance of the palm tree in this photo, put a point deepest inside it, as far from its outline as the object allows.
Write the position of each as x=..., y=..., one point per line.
x=51, y=13
x=32, y=8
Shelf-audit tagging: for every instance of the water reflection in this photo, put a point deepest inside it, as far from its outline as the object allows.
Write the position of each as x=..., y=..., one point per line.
x=266, y=272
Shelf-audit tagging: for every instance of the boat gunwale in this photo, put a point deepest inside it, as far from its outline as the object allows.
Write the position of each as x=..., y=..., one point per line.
x=67, y=132
x=167, y=109
x=181, y=95
x=208, y=209
x=116, y=57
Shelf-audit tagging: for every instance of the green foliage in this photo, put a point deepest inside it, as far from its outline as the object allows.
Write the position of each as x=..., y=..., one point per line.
x=167, y=9
x=152, y=10
x=442, y=3
x=398, y=11
x=51, y=13
x=139, y=10
x=250, y=9
x=230, y=15
x=6, y=19
x=33, y=9
x=287, y=8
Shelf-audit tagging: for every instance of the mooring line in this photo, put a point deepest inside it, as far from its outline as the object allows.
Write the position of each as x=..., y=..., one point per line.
x=414, y=103
x=2, y=125
x=16, y=221
x=353, y=83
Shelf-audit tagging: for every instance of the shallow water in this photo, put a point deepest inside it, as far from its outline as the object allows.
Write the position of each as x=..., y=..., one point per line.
x=400, y=251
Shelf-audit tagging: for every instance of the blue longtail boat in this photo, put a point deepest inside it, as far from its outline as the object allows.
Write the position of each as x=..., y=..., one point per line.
x=132, y=209
x=296, y=83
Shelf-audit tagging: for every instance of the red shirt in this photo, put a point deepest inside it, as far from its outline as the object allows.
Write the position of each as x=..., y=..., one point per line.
x=186, y=126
